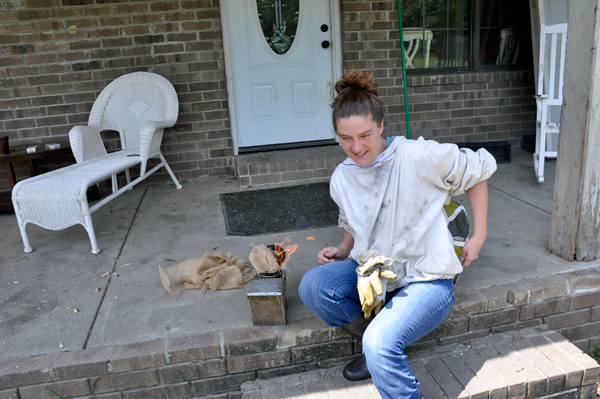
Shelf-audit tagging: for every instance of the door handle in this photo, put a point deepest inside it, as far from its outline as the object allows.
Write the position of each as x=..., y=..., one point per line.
x=325, y=44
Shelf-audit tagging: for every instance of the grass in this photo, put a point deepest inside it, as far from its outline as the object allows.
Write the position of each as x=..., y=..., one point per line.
x=595, y=354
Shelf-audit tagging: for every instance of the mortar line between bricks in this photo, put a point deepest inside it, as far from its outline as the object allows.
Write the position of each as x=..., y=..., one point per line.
x=519, y=199
x=89, y=334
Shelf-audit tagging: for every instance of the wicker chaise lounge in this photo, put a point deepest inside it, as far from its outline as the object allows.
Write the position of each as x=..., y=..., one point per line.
x=139, y=106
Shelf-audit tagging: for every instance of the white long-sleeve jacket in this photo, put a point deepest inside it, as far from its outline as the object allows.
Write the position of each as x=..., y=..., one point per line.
x=395, y=204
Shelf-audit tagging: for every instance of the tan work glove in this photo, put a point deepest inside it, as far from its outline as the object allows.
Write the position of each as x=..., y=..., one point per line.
x=373, y=273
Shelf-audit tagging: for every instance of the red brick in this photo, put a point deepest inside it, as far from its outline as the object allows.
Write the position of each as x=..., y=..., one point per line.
x=168, y=48
x=582, y=331
x=51, y=46
x=196, y=25
x=584, y=300
x=188, y=372
x=34, y=133
x=41, y=59
x=43, y=80
x=146, y=18
x=208, y=14
x=14, y=28
x=102, y=10
x=17, y=49
x=132, y=8
x=546, y=308
x=73, y=56
x=567, y=319
x=486, y=320
x=85, y=44
x=595, y=313
x=123, y=381
x=32, y=14
x=216, y=385
x=180, y=16
x=258, y=361
x=182, y=390
x=137, y=50
x=22, y=71
x=69, y=388
x=68, y=3
x=201, y=4
x=133, y=30
x=112, y=21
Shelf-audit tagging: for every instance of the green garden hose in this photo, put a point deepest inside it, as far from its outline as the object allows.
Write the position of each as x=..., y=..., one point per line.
x=404, y=72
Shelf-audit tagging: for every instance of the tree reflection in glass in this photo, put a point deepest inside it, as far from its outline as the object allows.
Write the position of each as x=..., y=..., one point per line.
x=279, y=22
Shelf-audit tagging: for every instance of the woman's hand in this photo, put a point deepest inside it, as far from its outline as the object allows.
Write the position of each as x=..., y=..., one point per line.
x=336, y=254
x=471, y=250
x=331, y=254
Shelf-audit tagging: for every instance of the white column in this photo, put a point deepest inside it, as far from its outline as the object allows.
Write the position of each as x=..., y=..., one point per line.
x=575, y=233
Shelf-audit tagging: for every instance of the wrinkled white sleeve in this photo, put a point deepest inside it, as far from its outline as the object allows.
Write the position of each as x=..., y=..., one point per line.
x=342, y=220
x=457, y=170
x=343, y=223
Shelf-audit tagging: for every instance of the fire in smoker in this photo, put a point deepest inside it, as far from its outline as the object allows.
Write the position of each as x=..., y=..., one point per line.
x=288, y=250
x=270, y=259
x=279, y=253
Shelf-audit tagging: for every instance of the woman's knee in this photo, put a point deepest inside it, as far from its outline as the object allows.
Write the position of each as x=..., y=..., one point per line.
x=308, y=286
x=376, y=344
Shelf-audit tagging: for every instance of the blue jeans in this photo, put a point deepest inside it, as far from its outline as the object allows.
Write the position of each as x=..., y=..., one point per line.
x=409, y=314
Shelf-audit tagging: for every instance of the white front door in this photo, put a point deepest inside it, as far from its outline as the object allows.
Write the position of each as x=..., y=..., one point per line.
x=281, y=77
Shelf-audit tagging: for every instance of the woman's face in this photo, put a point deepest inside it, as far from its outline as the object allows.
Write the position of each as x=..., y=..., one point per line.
x=360, y=138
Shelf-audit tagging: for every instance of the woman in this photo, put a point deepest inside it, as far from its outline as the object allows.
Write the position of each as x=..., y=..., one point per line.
x=395, y=238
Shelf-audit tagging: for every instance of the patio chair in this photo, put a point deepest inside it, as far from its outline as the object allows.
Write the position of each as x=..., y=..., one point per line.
x=453, y=52
x=139, y=106
x=510, y=42
x=549, y=99
x=413, y=37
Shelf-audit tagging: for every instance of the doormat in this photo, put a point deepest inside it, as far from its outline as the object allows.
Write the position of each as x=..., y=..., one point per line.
x=277, y=210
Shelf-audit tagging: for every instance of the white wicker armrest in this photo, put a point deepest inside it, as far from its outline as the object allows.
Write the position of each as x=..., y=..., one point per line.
x=86, y=143
x=150, y=139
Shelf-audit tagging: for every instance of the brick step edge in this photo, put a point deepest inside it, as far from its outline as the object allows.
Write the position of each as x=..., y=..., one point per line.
x=527, y=363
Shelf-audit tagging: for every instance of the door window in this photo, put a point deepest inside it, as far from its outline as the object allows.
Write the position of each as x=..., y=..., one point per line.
x=279, y=22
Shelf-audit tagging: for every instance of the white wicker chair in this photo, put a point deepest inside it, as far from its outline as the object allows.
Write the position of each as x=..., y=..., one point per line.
x=139, y=106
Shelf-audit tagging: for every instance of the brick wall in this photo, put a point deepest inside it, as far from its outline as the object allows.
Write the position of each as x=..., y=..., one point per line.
x=57, y=55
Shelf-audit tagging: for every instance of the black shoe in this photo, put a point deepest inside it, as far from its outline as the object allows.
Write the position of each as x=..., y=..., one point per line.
x=357, y=370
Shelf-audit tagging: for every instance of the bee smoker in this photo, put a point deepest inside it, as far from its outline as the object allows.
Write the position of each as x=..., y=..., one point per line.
x=267, y=295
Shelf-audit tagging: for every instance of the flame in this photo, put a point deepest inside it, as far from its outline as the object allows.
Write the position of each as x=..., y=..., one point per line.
x=310, y=238
x=289, y=249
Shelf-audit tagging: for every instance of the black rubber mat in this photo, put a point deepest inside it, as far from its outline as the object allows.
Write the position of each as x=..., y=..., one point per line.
x=277, y=210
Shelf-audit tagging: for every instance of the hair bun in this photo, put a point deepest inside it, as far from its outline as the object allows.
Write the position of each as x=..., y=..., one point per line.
x=356, y=80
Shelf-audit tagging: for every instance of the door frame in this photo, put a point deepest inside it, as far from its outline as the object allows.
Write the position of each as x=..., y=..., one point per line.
x=336, y=60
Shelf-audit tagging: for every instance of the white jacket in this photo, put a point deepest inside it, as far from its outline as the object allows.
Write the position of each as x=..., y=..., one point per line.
x=395, y=204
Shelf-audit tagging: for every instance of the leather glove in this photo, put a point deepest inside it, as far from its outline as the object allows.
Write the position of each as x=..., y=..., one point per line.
x=373, y=273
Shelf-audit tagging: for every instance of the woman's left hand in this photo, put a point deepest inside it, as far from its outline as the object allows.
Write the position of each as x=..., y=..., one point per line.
x=471, y=250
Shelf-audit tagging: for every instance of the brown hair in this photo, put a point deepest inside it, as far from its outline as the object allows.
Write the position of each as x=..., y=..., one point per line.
x=356, y=96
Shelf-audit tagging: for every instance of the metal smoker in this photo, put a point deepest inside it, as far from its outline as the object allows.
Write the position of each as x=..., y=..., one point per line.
x=267, y=295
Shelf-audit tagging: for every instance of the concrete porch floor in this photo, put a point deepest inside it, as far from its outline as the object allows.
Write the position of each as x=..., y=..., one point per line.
x=56, y=299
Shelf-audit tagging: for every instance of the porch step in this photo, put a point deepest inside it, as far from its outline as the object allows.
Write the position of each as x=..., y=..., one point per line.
x=310, y=164
x=528, y=363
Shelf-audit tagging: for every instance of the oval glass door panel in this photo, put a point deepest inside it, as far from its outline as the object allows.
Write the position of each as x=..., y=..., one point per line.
x=279, y=22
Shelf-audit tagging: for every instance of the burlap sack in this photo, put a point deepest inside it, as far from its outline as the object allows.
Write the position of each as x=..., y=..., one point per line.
x=263, y=260
x=215, y=272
